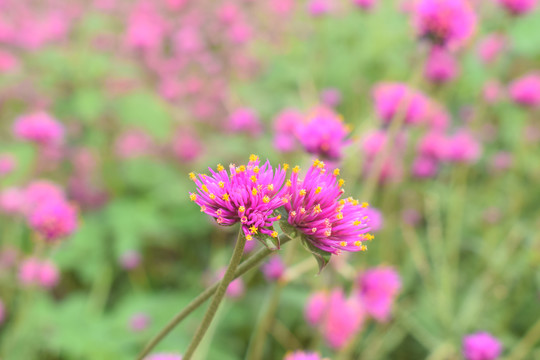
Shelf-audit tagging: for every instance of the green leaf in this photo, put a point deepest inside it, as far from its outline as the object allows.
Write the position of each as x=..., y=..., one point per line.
x=322, y=257
x=288, y=229
x=270, y=242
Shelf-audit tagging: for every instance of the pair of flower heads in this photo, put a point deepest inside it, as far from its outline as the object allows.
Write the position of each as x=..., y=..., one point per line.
x=313, y=208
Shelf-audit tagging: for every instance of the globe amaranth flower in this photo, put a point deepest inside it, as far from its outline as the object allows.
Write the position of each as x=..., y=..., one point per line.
x=40, y=128
x=163, y=356
x=377, y=290
x=300, y=355
x=444, y=22
x=33, y=271
x=273, y=269
x=324, y=134
x=481, y=346
x=441, y=66
x=398, y=99
x=316, y=209
x=54, y=220
x=525, y=91
x=7, y=164
x=246, y=194
x=139, y=322
x=518, y=7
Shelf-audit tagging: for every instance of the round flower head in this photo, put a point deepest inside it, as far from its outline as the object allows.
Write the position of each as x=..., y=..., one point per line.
x=246, y=194
x=319, y=7
x=317, y=210
x=390, y=98
x=273, y=269
x=132, y=144
x=441, y=66
x=286, y=124
x=164, y=356
x=490, y=47
x=39, y=192
x=324, y=133
x=12, y=201
x=365, y=4
x=462, y=147
x=245, y=120
x=525, y=91
x=378, y=287
x=331, y=97
x=300, y=355
x=518, y=7
x=481, y=346
x=35, y=272
x=492, y=92
x=445, y=22
x=7, y=164
x=139, y=322
x=130, y=259
x=187, y=146
x=236, y=288
x=54, y=220
x=40, y=128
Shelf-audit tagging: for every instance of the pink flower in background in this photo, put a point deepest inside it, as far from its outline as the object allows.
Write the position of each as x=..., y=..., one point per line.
x=441, y=66
x=526, y=90
x=365, y=4
x=518, y=7
x=236, y=288
x=163, y=356
x=373, y=143
x=54, y=220
x=390, y=98
x=490, y=47
x=425, y=167
x=376, y=220
x=2, y=312
x=188, y=40
x=331, y=97
x=324, y=133
x=130, y=259
x=12, y=201
x=274, y=268
x=33, y=272
x=245, y=120
x=438, y=117
x=343, y=318
x=187, y=146
x=286, y=125
x=462, y=147
x=445, y=22
x=411, y=216
x=139, y=322
x=146, y=28
x=377, y=290
x=493, y=91
x=132, y=144
x=300, y=355
x=39, y=192
x=282, y=7
x=8, y=61
x=481, y=346
x=240, y=32
x=316, y=307
x=39, y=127
x=319, y=7
x=501, y=161
x=7, y=164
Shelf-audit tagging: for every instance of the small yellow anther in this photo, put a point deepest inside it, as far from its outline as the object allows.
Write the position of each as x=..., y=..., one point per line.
x=296, y=169
x=285, y=166
x=253, y=178
x=327, y=233
x=253, y=229
x=221, y=184
x=249, y=237
x=205, y=188
x=364, y=248
x=284, y=200
x=220, y=167
x=302, y=192
x=270, y=187
x=289, y=183
x=341, y=182
x=293, y=213
x=193, y=197
x=254, y=191
x=225, y=197
x=203, y=208
x=357, y=223
x=365, y=204
x=339, y=216
x=357, y=243
x=317, y=209
x=192, y=176
x=314, y=229
x=241, y=209
x=318, y=189
x=336, y=172
x=266, y=199
x=253, y=157
x=274, y=234
x=343, y=243
x=256, y=169
x=316, y=162
x=278, y=217
x=212, y=196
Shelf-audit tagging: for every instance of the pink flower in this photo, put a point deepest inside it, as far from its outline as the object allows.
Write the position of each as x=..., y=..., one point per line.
x=8, y=62
x=492, y=92
x=12, y=201
x=376, y=220
x=481, y=346
x=373, y=144
x=324, y=134
x=39, y=192
x=130, y=259
x=286, y=125
x=7, y=164
x=425, y=167
x=54, y=220
x=139, y=322
x=462, y=147
x=502, y=161
x=331, y=97
x=300, y=355
x=526, y=90
x=315, y=307
x=245, y=120
x=35, y=272
x=445, y=22
x=377, y=290
x=240, y=32
x=146, y=28
x=319, y=7
x=188, y=40
x=491, y=47
x=518, y=7
x=365, y=4
x=40, y=128
x=187, y=146
x=441, y=65
x=391, y=97
x=163, y=356
x=132, y=144
x=282, y=7
x=432, y=145
x=236, y=288
x=273, y=269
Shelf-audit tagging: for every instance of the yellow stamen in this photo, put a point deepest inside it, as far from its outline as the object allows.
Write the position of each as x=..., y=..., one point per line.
x=274, y=234
x=253, y=157
x=302, y=192
x=193, y=197
x=296, y=169
x=318, y=189
x=253, y=229
x=225, y=197
x=253, y=178
x=357, y=243
x=343, y=243
x=278, y=217
x=221, y=184
x=364, y=247
x=357, y=223
x=241, y=209
x=314, y=229
x=328, y=233
x=341, y=182
x=317, y=209
x=203, y=208
x=220, y=167
x=256, y=169
x=339, y=216
x=212, y=196
x=284, y=200
x=365, y=204
x=266, y=199
x=205, y=188
x=289, y=183
x=293, y=213
x=285, y=166
x=336, y=172
x=249, y=237
x=192, y=176
x=270, y=187
x=254, y=191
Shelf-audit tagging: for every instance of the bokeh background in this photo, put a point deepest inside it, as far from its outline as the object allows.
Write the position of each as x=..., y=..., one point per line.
x=109, y=104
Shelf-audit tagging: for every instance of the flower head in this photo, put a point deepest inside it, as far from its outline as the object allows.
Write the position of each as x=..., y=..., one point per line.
x=7, y=164
x=490, y=47
x=481, y=346
x=518, y=7
x=54, y=220
x=36, y=272
x=390, y=98
x=441, y=65
x=286, y=124
x=300, y=355
x=273, y=269
x=245, y=120
x=462, y=147
x=324, y=133
x=525, y=91
x=164, y=356
x=139, y=322
x=377, y=289
x=246, y=194
x=445, y=22
x=40, y=128
x=317, y=210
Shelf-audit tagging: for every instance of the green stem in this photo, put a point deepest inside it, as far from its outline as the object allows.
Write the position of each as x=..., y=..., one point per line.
x=247, y=265
x=219, y=295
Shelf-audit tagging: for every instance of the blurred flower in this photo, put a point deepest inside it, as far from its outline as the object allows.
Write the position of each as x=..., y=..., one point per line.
x=327, y=222
x=187, y=146
x=324, y=133
x=425, y=167
x=245, y=120
x=397, y=99
x=33, y=271
x=40, y=128
x=39, y=192
x=248, y=195
x=273, y=269
x=12, y=201
x=377, y=290
x=282, y=7
x=481, y=346
x=331, y=97
x=319, y=7
x=462, y=147
x=146, y=28
x=441, y=66
x=286, y=125
x=518, y=7
x=501, y=161
x=373, y=144
x=8, y=61
x=130, y=259
x=132, y=144
x=492, y=92
x=444, y=22
x=236, y=288
x=163, y=356
x=411, y=217
x=139, y=322
x=300, y=355
x=490, y=47
x=7, y=164
x=54, y=220
x=526, y=90
x=365, y=4
x=375, y=217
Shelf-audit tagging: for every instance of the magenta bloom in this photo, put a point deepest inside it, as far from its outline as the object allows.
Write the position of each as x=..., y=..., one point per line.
x=54, y=220
x=502, y=161
x=139, y=322
x=245, y=120
x=492, y=91
x=331, y=97
x=130, y=259
x=2, y=312
x=247, y=195
x=327, y=222
x=445, y=22
x=163, y=356
x=40, y=128
x=365, y=4
x=146, y=28
x=425, y=167
x=286, y=125
x=481, y=346
x=187, y=146
x=441, y=66
x=462, y=147
x=526, y=90
x=41, y=273
x=132, y=144
x=316, y=307
x=236, y=288
x=518, y=7
x=324, y=133
x=273, y=269
x=491, y=47
x=319, y=7
x=39, y=192
x=7, y=164
x=12, y=201
x=390, y=97
x=377, y=290
x=300, y=355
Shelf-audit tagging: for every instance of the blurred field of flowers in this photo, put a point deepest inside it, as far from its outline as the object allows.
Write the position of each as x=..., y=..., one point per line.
x=428, y=110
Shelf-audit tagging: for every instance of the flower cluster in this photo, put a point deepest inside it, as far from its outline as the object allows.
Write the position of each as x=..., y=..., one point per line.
x=377, y=290
x=481, y=346
x=300, y=355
